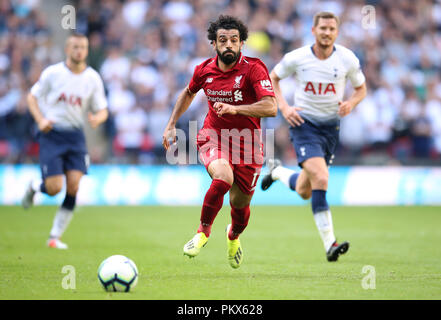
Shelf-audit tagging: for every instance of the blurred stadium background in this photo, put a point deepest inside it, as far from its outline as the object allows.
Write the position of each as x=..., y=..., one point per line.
x=146, y=51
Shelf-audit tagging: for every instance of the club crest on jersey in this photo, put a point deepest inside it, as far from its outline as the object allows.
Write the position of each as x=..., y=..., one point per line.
x=320, y=88
x=237, y=81
x=73, y=100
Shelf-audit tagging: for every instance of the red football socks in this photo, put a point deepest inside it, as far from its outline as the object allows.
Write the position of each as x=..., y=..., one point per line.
x=214, y=198
x=239, y=218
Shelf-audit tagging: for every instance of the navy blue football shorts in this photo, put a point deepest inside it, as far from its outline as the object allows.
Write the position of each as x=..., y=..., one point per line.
x=61, y=151
x=312, y=140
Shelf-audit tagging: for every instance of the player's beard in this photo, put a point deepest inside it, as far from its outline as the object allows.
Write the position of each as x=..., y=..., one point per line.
x=227, y=58
x=325, y=46
x=76, y=60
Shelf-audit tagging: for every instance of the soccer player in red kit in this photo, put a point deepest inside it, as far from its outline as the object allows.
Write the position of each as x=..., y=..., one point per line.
x=239, y=93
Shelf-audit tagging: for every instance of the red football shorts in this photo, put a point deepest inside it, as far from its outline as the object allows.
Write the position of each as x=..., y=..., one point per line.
x=245, y=174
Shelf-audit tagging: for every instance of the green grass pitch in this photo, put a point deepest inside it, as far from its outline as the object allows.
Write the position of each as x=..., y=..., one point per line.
x=283, y=255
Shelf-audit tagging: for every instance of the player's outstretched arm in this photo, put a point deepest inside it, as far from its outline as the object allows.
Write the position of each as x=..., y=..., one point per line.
x=265, y=107
x=289, y=113
x=44, y=124
x=183, y=102
x=345, y=107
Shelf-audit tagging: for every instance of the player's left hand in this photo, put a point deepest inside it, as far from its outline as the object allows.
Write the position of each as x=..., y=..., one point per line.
x=344, y=108
x=224, y=108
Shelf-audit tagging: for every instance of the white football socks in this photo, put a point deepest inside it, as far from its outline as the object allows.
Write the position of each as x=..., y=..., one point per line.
x=323, y=221
x=61, y=221
x=283, y=174
x=35, y=185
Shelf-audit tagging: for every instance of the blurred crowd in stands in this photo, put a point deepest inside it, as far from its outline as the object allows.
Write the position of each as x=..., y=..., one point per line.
x=146, y=52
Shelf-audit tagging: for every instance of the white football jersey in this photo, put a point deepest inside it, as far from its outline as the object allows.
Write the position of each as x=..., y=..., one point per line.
x=320, y=84
x=64, y=97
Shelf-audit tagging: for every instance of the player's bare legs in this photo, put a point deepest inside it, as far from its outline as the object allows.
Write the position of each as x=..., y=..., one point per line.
x=73, y=178
x=51, y=185
x=54, y=184
x=221, y=169
x=316, y=171
x=239, y=199
x=303, y=185
x=296, y=181
x=65, y=211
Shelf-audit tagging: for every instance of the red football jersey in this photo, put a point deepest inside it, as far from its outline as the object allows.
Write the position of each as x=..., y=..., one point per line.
x=238, y=136
x=246, y=83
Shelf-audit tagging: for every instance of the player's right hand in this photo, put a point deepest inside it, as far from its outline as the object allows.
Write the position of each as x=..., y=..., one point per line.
x=45, y=125
x=292, y=116
x=168, y=135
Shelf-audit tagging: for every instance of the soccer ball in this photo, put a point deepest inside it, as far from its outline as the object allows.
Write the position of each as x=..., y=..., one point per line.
x=118, y=273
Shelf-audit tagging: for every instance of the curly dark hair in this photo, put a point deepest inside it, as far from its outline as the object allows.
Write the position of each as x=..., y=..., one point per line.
x=227, y=23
